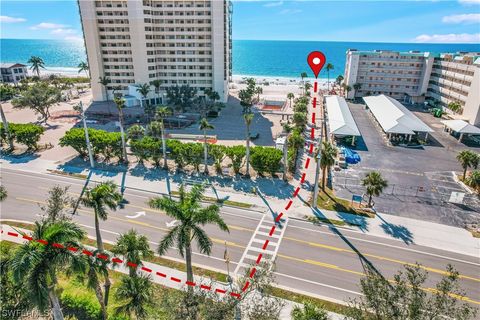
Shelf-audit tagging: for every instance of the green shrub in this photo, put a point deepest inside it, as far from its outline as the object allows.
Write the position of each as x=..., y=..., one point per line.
x=266, y=159
x=80, y=306
x=24, y=133
x=108, y=144
x=236, y=155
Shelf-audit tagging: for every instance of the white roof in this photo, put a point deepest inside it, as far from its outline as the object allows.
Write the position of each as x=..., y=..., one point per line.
x=340, y=118
x=461, y=126
x=394, y=117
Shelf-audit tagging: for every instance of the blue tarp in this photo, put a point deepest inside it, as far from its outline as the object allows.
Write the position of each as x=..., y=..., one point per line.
x=351, y=157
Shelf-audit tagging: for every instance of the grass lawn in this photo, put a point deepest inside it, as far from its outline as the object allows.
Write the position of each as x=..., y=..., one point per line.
x=227, y=202
x=328, y=201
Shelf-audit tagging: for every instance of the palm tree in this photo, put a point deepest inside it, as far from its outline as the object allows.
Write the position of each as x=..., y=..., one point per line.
x=303, y=75
x=474, y=180
x=290, y=97
x=191, y=215
x=327, y=159
x=339, y=80
x=136, y=295
x=356, y=87
x=204, y=126
x=6, y=92
x=162, y=113
x=36, y=64
x=3, y=193
x=454, y=106
x=96, y=266
x=83, y=66
x=36, y=266
x=328, y=68
x=308, y=86
x=375, y=184
x=258, y=92
x=144, y=90
x=248, y=117
x=309, y=311
x=99, y=198
x=468, y=159
x=104, y=81
x=135, y=132
x=120, y=103
x=133, y=247
x=347, y=88
x=157, y=83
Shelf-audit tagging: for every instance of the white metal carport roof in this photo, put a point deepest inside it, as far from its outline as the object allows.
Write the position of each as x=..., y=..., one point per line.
x=340, y=119
x=393, y=116
x=461, y=126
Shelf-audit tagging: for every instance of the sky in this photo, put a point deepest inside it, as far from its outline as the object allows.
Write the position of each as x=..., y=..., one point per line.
x=453, y=21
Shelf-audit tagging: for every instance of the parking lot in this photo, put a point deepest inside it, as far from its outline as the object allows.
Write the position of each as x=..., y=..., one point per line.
x=420, y=180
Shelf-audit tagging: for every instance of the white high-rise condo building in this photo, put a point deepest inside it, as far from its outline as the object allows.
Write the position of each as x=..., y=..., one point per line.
x=415, y=76
x=178, y=42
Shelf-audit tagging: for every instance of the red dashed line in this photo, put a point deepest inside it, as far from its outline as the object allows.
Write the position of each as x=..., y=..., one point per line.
x=272, y=231
x=312, y=133
x=302, y=180
x=289, y=204
x=189, y=283
x=315, y=87
x=277, y=219
x=296, y=192
x=265, y=245
x=234, y=294
x=102, y=256
x=246, y=286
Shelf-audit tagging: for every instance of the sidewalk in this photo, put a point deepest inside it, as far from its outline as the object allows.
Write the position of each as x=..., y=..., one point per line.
x=407, y=230
x=168, y=277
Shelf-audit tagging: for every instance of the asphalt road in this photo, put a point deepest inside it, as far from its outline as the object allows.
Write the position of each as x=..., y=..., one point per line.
x=318, y=260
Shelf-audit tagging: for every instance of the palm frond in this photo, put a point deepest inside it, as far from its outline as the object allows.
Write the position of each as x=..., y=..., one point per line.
x=204, y=244
x=168, y=241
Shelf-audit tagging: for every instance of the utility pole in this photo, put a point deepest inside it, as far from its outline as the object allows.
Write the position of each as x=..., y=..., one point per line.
x=318, y=158
x=285, y=158
x=87, y=137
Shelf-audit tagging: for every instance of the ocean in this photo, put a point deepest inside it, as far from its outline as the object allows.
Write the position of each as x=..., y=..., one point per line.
x=250, y=57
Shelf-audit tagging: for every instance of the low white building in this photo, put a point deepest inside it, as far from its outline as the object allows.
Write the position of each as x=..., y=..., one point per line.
x=340, y=119
x=13, y=72
x=394, y=118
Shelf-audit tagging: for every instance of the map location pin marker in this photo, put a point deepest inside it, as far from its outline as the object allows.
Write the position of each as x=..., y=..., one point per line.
x=316, y=60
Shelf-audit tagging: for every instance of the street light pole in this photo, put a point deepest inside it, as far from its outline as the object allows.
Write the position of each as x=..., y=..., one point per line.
x=87, y=137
